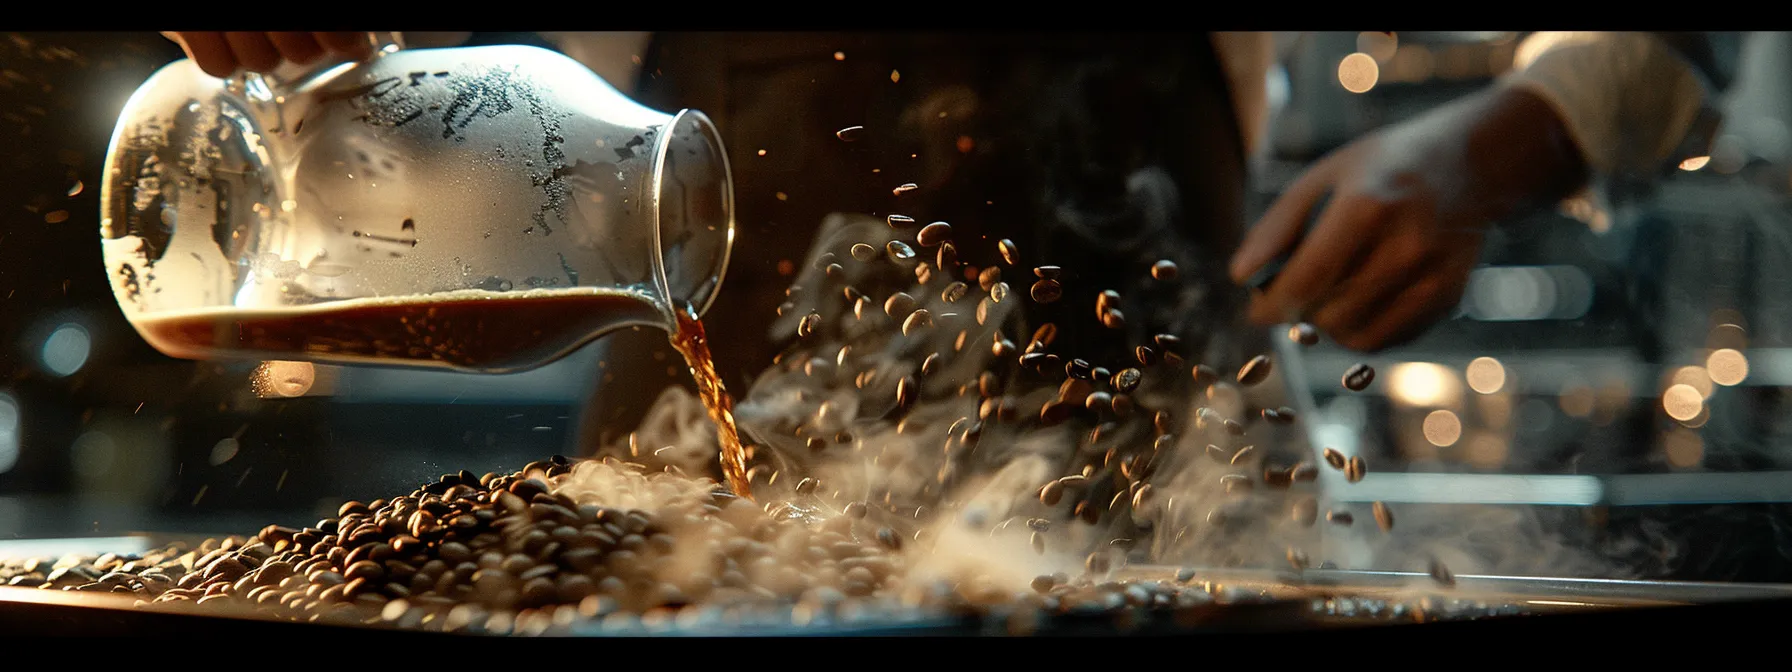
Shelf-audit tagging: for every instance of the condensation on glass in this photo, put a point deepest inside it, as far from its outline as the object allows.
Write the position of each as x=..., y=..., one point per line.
x=440, y=190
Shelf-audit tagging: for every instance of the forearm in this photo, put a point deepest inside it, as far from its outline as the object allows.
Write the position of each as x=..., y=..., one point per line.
x=1523, y=153
x=1633, y=103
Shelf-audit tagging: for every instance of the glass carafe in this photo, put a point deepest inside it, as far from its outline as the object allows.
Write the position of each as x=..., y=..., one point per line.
x=485, y=209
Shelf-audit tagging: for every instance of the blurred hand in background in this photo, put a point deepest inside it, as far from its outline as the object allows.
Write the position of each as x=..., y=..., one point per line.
x=1391, y=252
x=223, y=54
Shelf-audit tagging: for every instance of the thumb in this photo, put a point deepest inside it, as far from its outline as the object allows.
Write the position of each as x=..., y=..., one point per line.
x=1280, y=225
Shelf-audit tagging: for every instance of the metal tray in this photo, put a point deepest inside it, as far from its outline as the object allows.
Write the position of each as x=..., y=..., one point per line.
x=1282, y=602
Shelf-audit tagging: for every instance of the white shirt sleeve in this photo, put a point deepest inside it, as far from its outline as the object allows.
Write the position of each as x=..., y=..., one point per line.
x=1632, y=104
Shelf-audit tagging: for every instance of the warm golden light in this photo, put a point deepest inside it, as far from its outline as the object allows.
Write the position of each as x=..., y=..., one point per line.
x=1423, y=384
x=1442, y=428
x=1684, y=448
x=1694, y=377
x=1727, y=367
x=1694, y=163
x=1358, y=72
x=1682, y=402
x=1486, y=375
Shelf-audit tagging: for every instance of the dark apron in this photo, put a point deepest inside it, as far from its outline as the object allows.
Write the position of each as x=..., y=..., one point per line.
x=1097, y=153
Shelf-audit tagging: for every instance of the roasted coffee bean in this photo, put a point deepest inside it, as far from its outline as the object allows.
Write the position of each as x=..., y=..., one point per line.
x=1441, y=574
x=1340, y=518
x=1113, y=319
x=899, y=251
x=906, y=392
x=1122, y=405
x=1235, y=483
x=1215, y=453
x=1205, y=375
x=808, y=325
x=1046, y=291
x=899, y=221
x=1254, y=371
x=1304, y=473
x=1384, y=517
x=1335, y=458
x=1242, y=456
x=946, y=259
x=1126, y=381
x=863, y=252
x=988, y=277
x=1358, y=377
x=528, y=488
x=1098, y=401
x=918, y=320
x=1164, y=270
x=934, y=234
x=365, y=569
x=1167, y=343
x=1009, y=251
x=931, y=364
x=1303, y=334
x=953, y=292
x=850, y=133
x=1051, y=493
x=1355, y=469
x=273, y=533
x=1079, y=369
x=1097, y=563
x=1038, y=543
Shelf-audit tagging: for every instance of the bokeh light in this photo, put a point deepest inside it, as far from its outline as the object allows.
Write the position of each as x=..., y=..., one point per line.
x=67, y=349
x=1358, y=72
x=1423, y=384
x=1727, y=367
x=1486, y=375
x=1442, y=428
x=1682, y=402
x=1694, y=163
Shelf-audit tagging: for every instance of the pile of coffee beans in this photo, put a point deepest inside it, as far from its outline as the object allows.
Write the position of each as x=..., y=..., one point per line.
x=604, y=544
